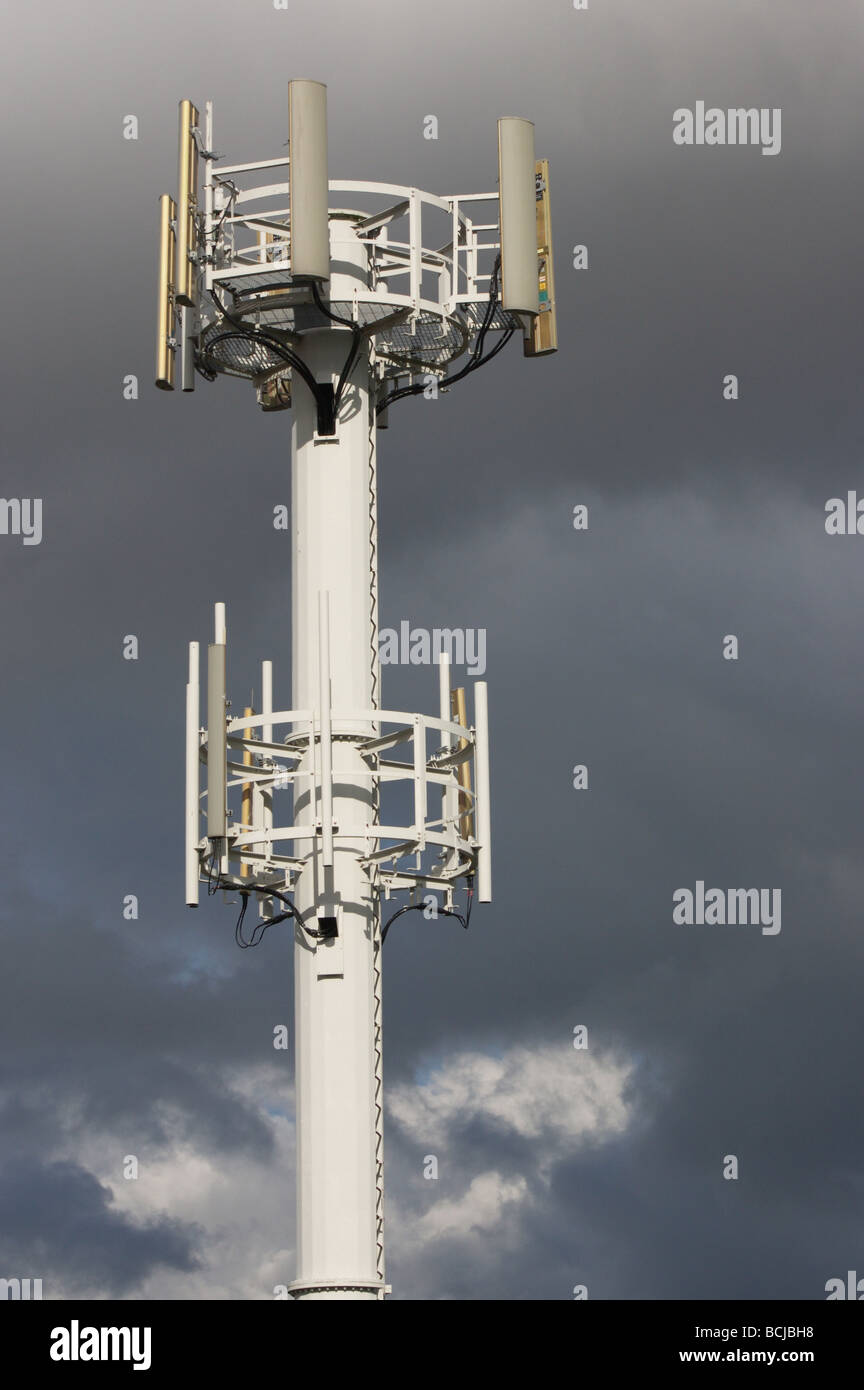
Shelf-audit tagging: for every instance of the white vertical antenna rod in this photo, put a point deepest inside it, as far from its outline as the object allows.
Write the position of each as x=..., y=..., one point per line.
x=308, y=191
x=444, y=691
x=483, y=816
x=420, y=781
x=450, y=793
x=193, y=701
x=520, y=287
x=326, y=732
x=267, y=699
x=217, y=743
x=217, y=733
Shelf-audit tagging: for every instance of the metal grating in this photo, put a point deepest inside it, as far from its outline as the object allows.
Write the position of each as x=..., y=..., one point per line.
x=238, y=356
x=425, y=341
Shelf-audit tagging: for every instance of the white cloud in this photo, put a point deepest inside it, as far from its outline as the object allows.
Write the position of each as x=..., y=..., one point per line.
x=557, y=1098
x=481, y=1208
x=553, y=1092
x=243, y=1205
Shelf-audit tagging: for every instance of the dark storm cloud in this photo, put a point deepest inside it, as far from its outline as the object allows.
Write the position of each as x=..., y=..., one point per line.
x=604, y=647
x=738, y=774
x=140, y=1049
x=57, y=1223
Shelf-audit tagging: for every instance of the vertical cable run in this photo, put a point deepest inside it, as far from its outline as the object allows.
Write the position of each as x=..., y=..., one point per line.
x=378, y=1059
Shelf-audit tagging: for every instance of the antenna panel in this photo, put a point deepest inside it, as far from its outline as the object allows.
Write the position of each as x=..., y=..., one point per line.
x=544, y=335
x=518, y=217
x=307, y=177
x=217, y=743
x=187, y=206
x=165, y=295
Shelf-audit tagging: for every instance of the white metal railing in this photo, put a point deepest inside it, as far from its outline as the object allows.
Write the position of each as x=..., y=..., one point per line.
x=310, y=757
x=277, y=767
x=457, y=265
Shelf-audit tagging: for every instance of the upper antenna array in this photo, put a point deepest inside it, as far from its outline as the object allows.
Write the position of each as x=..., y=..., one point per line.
x=245, y=272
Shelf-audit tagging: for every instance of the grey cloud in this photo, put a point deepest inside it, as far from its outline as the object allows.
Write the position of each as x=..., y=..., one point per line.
x=58, y=1225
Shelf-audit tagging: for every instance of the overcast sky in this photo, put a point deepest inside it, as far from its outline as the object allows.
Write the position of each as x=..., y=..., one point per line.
x=558, y=1167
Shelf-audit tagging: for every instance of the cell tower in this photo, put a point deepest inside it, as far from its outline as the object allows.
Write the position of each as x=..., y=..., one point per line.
x=328, y=297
